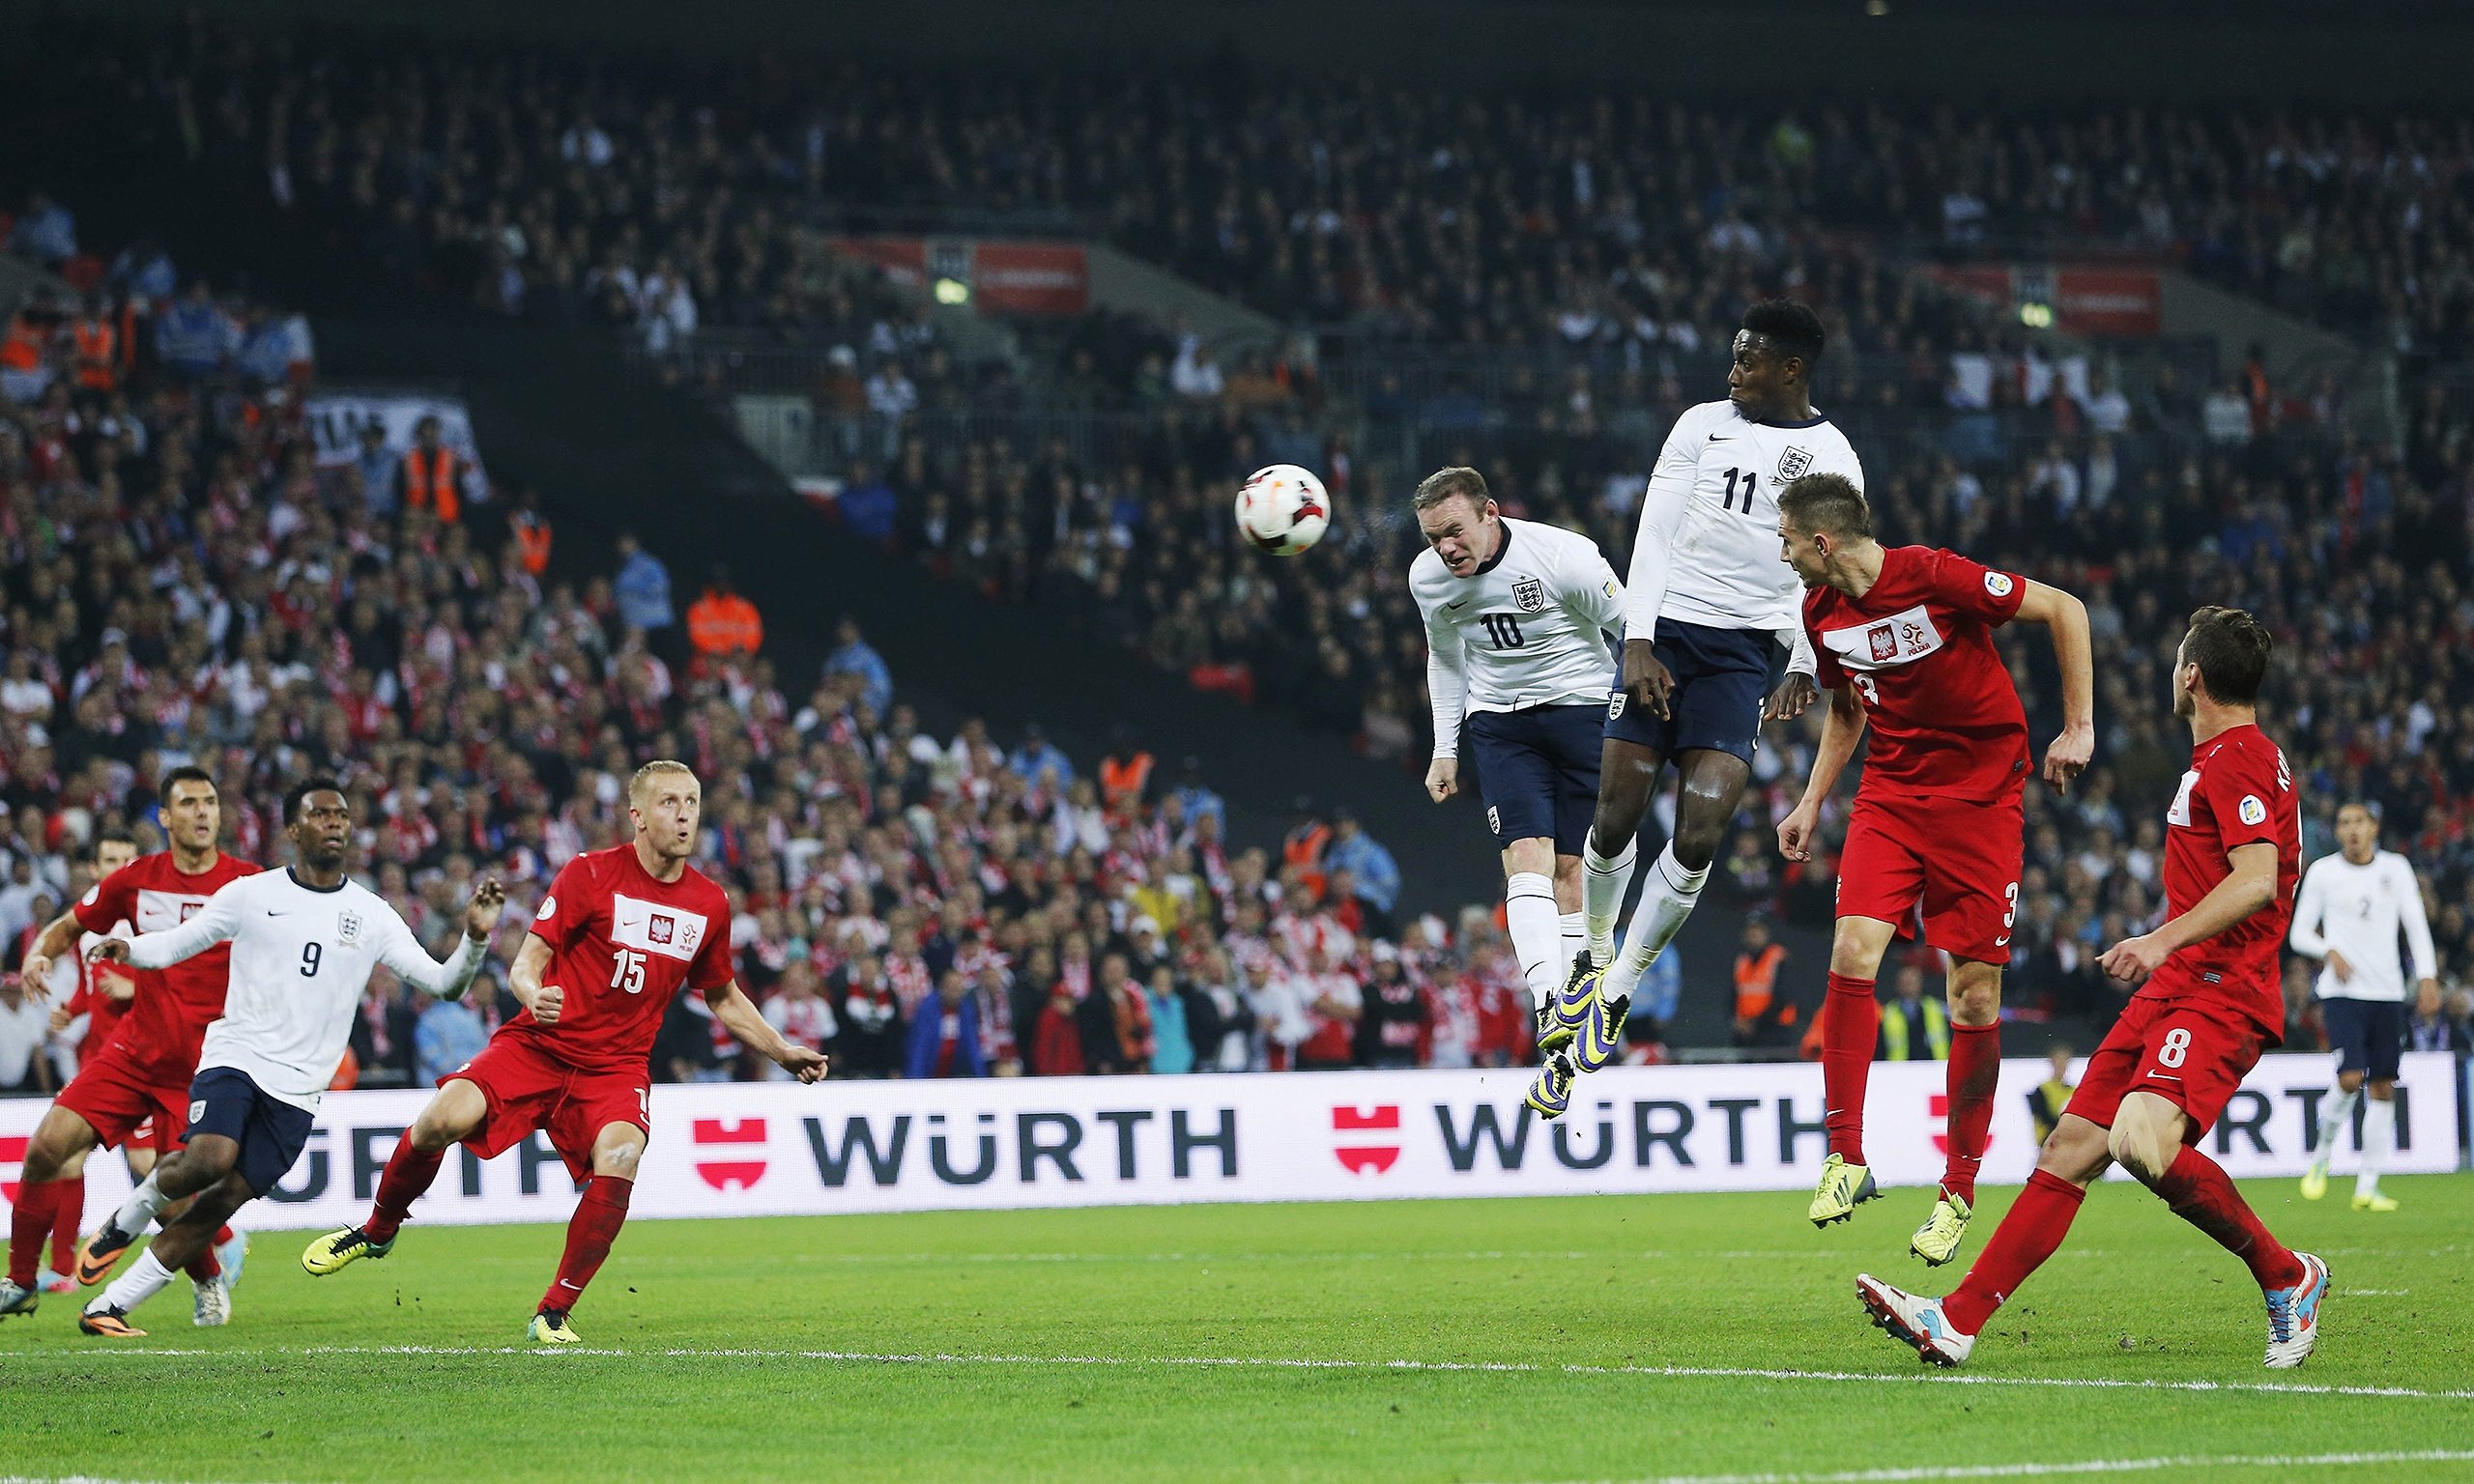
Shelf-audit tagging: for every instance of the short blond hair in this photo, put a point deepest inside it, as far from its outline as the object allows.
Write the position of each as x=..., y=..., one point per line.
x=641, y=782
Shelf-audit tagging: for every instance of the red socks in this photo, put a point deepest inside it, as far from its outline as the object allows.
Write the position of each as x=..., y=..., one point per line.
x=65, y=1222
x=29, y=1221
x=408, y=1173
x=1851, y=1020
x=2028, y=1235
x=1975, y=1074
x=2201, y=1193
x=599, y=1214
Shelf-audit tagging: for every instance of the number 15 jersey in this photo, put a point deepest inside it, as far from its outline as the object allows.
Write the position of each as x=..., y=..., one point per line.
x=620, y=945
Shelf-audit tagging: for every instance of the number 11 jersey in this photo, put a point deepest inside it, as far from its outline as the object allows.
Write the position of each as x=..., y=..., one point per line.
x=620, y=945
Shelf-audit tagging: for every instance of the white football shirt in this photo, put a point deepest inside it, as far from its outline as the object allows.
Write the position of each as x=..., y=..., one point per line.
x=1706, y=551
x=1527, y=629
x=301, y=962
x=2357, y=911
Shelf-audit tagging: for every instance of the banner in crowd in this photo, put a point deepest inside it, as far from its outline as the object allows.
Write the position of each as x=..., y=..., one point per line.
x=336, y=417
x=781, y=1149
x=2104, y=302
x=1004, y=277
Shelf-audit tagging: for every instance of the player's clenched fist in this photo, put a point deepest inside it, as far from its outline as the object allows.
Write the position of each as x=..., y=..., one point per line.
x=804, y=1064
x=1796, y=833
x=1443, y=779
x=546, y=1003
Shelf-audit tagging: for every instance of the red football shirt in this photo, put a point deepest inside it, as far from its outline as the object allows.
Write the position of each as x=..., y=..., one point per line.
x=620, y=945
x=168, y=1017
x=2239, y=792
x=1919, y=649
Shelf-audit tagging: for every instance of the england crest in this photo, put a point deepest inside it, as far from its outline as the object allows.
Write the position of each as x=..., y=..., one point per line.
x=1793, y=465
x=1529, y=595
x=347, y=927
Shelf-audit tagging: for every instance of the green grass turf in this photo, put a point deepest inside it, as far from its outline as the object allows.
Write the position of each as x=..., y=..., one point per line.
x=1701, y=1281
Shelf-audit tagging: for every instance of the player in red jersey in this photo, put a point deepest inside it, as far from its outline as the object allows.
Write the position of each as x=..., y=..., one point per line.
x=1904, y=641
x=101, y=997
x=2211, y=1005
x=620, y=933
x=142, y=1074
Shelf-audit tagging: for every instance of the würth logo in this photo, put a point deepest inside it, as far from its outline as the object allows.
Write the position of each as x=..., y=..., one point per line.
x=1363, y=1159
x=1940, y=1110
x=721, y=1174
x=12, y=1153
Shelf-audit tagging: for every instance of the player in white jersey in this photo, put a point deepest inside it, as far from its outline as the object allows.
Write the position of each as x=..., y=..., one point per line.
x=2347, y=916
x=1710, y=616
x=1518, y=614
x=305, y=942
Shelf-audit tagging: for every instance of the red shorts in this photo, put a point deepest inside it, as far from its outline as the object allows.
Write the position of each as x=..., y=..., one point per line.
x=130, y=1099
x=1959, y=858
x=528, y=1089
x=2192, y=1053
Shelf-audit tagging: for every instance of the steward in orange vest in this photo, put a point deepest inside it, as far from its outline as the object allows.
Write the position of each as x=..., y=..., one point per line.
x=432, y=475
x=722, y=623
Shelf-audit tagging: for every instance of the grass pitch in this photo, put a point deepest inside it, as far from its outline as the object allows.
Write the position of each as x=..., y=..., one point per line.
x=1696, y=1337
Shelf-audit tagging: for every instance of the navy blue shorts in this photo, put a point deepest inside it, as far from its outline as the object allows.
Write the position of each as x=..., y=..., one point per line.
x=270, y=1132
x=2369, y=1034
x=1721, y=678
x=1537, y=772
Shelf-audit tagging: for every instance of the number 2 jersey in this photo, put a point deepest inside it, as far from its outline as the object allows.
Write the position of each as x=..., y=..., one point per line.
x=620, y=945
x=2239, y=792
x=1918, y=646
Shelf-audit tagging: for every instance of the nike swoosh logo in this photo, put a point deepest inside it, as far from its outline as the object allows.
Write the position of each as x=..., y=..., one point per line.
x=1716, y=438
x=271, y=912
x=2001, y=942
x=1449, y=607
x=2163, y=1078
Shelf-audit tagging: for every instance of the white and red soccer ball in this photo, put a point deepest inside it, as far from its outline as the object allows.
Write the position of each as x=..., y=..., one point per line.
x=1282, y=510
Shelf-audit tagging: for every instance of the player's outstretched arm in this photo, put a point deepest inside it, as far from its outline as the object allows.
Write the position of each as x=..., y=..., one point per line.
x=1842, y=727
x=403, y=953
x=53, y=941
x=1448, y=689
x=215, y=922
x=2248, y=886
x=739, y=1016
x=523, y=980
x=2065, y=619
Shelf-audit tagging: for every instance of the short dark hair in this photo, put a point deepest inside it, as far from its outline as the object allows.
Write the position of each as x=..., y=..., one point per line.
x=2230, y=648
x=186, y=773
x=1445, y=483
x=1789, y=326
x=315, y=783
x=1819, y=504
x=114, y=836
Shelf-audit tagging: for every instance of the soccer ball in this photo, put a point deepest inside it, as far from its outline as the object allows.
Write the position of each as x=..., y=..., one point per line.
x=1282, y=510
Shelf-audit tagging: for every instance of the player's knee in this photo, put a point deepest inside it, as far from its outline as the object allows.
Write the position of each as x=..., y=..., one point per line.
x=2141, y=1141
x=2349, y=1082
x=1975, y=999
x=2076, y=1152
x=2383, y=1092
x=1853, y=954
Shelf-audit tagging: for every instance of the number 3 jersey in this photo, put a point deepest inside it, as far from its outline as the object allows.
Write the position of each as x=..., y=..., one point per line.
x=1918, y=646
x=1526, y=629
x=620, y=945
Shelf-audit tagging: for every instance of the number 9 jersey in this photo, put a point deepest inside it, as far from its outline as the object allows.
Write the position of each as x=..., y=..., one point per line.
x=620, y=945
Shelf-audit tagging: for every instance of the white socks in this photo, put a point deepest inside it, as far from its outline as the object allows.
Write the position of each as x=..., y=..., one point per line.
x=1537, y=932
x=1573, y=937
x=1603, y=883
x=2378, y=1137
x=146, y=1277
x=138, y=1212
x=2334, y=1120
x=1667, y=897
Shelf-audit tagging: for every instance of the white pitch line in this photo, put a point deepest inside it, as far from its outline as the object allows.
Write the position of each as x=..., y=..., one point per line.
x=2074, y=1466
x=1926, y=1378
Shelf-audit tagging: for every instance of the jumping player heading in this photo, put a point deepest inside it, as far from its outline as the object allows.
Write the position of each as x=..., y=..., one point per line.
x=1708, y=616
x=2210, y=1003
x=1516, y=617
x=1904, y=643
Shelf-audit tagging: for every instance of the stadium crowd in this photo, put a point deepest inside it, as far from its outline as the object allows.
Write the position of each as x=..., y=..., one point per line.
x=1612, y=237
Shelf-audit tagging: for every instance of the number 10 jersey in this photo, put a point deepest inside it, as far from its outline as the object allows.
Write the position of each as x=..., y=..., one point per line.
x=620, y=945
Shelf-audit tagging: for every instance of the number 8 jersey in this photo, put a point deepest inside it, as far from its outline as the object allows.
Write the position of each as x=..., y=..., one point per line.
x=620, y=945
